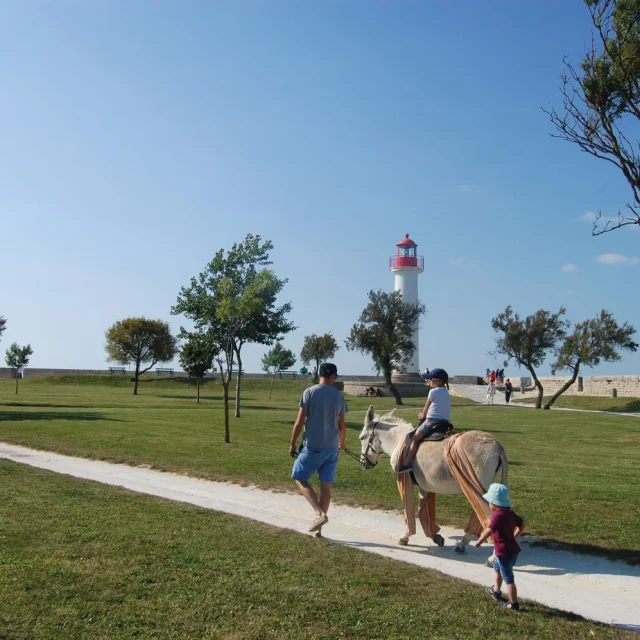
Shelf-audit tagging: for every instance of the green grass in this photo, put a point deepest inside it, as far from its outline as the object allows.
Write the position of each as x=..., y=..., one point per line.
x=573, y=475
x=80, y=560
x=593, y=403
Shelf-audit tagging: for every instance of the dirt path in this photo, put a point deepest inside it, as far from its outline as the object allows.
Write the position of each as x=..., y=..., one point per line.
x=595, y=588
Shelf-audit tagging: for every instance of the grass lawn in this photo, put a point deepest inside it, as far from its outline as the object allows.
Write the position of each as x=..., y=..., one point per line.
x=594, y=403
x=573, y=475
x=80, y=560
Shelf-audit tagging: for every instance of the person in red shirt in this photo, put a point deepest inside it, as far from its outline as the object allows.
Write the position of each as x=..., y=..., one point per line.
x=504, y=527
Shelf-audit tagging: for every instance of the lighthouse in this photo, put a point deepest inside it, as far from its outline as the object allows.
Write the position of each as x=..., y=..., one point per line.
x=407, y=265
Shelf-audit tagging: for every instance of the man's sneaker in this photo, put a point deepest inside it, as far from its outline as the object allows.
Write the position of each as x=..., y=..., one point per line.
x=513, y=606
x=405, y=469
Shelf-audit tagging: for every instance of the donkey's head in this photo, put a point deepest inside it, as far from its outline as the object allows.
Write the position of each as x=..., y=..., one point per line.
x=371, y=449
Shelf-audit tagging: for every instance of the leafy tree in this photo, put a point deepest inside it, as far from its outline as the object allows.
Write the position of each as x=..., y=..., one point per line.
x=3, y=325
x=234, y=301
x=317, y=349
x=596, y=339
x=140, y=340
x=18, y=357
x=601, y=99
x=276, y=360
x=196, y=357
x=529, y=340
x=385, y=331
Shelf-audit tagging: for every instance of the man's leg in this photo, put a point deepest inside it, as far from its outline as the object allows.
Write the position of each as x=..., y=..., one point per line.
x=311, y=496
x=325, y=496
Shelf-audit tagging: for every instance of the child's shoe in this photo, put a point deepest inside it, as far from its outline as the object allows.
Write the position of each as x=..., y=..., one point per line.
x=496, y=595
x=405, y=469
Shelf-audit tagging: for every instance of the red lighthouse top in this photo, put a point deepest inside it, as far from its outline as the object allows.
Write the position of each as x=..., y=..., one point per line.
x=406, y=255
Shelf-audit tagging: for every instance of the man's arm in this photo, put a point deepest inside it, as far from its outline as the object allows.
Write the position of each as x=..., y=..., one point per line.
x=342, y=428
x=297, y=429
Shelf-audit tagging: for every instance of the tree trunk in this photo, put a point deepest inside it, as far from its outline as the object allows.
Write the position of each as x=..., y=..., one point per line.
x=392, y=388
x=225, y=393
x=272, y=381
x=238, y=383
x=198, y=390
x=17, y=378
x=539, y=387
x=316, y=375
x=564, y=387
x=135, y=379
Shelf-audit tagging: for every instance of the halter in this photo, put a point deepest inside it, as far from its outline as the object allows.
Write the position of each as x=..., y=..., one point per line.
x=362, y=458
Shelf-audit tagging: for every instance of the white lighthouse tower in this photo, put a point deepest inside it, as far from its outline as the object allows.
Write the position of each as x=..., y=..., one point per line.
x=406, y=265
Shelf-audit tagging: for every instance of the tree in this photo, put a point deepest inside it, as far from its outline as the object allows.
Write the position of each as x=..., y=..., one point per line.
x=196, y=357
x=140, y=340
x=276, y=360
x=601, y=99
x=596, y=339
x=529, y=340
x=18, y=357
x=385, y=331
x=3, y=325
x=318, y=349
x=234, y=302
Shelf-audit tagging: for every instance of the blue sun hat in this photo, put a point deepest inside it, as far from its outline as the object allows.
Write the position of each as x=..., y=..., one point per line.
x=498, y=494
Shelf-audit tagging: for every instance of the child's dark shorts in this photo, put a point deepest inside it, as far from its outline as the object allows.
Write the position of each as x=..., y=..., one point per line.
x=505, y=564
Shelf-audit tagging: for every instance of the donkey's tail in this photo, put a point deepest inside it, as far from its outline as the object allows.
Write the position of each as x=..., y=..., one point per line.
x=504, y=465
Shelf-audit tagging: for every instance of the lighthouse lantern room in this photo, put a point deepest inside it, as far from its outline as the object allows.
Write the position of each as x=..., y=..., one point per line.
x=406, y=266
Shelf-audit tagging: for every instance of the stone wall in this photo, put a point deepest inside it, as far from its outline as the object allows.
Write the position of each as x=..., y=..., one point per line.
x=626, y=386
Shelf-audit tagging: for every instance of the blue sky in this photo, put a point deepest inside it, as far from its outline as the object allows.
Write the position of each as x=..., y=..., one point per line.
x=141, y=137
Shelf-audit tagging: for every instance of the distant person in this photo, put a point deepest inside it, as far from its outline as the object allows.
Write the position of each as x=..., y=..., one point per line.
x=504, y=527
x=492, y=377
x=508, y=390
x=322, y=414
x=425, y=374
x=487, y=374
x=501, y=376
x=435, y=415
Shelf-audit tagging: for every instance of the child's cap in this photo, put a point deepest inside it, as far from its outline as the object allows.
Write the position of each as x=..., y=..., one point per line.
x=438, y=374
x=498, y=494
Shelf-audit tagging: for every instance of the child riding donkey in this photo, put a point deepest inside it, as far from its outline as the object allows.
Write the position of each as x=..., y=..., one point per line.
x=435, y=415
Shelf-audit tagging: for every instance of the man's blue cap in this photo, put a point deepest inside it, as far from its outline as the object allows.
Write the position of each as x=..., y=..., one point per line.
x=438, y=374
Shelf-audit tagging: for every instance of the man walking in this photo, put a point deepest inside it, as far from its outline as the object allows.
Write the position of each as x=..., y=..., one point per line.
x=322, y=414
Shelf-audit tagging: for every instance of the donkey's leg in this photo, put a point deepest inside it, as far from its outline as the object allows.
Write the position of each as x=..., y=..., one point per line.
x=472, y=529
x=427, y=515
x=466, y=539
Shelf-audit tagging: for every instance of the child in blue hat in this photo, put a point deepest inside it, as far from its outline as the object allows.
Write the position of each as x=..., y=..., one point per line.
x=504, y=527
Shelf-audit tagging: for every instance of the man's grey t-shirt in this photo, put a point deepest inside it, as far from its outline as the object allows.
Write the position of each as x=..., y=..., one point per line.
x=324, y=404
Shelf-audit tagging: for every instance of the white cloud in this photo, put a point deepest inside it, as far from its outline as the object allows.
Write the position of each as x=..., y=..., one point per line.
x=588, y=216
x=570, y=267
x=616, y=259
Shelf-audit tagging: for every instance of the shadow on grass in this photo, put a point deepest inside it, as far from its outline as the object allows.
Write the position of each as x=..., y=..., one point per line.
x=44, y=404
x=22, y=416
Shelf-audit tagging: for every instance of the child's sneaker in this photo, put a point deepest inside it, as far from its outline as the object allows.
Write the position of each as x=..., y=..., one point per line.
x=513, y=606
x=405, y=469
x=496, y=595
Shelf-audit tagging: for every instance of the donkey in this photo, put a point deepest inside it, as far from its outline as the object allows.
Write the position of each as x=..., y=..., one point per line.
x=383, y=434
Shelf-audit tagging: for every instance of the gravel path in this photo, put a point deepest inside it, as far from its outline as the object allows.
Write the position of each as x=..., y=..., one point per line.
x=592, y=587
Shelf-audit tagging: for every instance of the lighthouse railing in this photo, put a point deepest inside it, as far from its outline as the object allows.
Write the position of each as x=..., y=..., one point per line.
x=399, y=262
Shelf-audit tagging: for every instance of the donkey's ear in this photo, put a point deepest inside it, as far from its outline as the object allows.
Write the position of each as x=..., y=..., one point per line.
x=371, y=413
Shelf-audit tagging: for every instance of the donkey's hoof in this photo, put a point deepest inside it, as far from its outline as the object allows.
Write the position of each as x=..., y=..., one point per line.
x=459, y=549
x=438, y=539
x=404, y=541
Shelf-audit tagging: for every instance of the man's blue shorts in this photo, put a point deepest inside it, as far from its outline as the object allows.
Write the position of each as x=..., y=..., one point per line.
x=505, y=564
x=324, y=461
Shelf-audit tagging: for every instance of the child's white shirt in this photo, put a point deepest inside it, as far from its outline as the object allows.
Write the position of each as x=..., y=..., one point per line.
x=440, y=407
